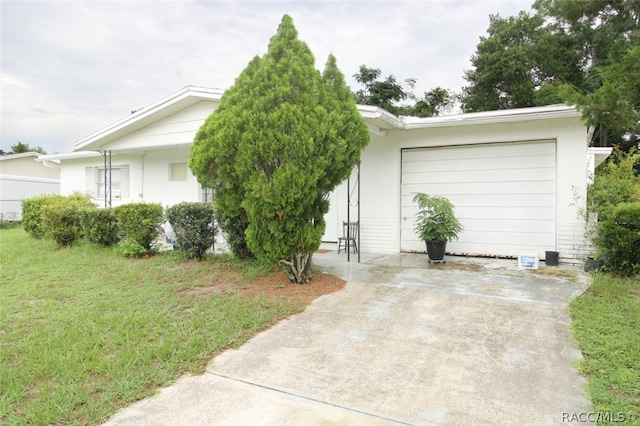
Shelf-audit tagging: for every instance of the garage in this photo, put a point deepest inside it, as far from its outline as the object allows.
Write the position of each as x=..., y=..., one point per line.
x=504, y=194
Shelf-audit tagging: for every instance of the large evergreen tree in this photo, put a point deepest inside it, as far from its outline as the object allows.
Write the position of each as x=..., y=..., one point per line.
x=520, y=64
x=213, y=156
x=281, y=140
x=578, y=52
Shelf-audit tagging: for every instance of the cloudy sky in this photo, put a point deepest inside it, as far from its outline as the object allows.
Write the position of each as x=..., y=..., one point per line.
x=69, y=68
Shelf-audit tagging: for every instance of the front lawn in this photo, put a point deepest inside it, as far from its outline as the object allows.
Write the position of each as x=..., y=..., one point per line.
x=84, y=331
x=606, y=322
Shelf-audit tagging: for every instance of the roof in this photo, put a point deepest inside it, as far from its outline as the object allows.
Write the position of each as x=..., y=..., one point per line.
x=183, y=98
x=20, y=155
x=68, y=156
x=378, y=120
x=491, y=117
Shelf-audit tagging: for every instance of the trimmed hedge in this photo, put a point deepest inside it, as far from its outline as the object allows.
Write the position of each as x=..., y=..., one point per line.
x=62, y=218
x=32, y=214
x=101, y=226
x=140, y=222
x=618, y=239
x=194, y=227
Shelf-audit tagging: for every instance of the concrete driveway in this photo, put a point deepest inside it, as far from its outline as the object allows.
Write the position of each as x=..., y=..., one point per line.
x=469, y=342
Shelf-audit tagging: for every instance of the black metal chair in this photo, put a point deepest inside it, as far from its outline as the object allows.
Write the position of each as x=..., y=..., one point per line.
x=349, y=237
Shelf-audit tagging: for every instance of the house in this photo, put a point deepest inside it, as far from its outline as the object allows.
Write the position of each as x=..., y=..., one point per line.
x=517, y=177
x=21, y=176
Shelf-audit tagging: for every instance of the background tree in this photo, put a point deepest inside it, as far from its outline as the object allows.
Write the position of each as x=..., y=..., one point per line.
x=609, y=36
x=394, y=97
x=282, y=138
x=520, y=64
x=579, y=52
x=20, y=148
x=437, y=101
x=387, y=93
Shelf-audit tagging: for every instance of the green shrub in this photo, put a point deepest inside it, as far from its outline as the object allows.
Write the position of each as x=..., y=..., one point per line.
x=32, y=214
x=234, y=229
x=140, y=222
x=616, y=181
x=62, y=218
x=618, y=239
x=101, y=226
x=131, y=249
x=193, y=226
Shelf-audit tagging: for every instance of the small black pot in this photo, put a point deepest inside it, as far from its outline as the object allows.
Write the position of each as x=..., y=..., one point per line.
x=551, y=258
x=436, y=249
x=592, y=264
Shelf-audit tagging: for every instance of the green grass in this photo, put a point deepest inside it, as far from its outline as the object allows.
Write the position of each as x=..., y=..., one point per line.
x=85, y=332
x=606, y=322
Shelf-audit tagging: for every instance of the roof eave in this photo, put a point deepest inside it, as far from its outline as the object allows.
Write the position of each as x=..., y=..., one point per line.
x=67, y=156
x=493, y=117
x=379, y=120
x=192, y=93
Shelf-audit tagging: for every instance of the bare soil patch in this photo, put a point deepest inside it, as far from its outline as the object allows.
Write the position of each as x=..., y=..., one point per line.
x=274, y=286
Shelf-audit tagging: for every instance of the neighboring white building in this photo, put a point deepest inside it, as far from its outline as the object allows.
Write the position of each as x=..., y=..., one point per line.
x=21, y=176
x=516, y=177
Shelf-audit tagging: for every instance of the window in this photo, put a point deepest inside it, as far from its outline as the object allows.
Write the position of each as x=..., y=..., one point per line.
x=97, y=183
x=207, y=194
x=178, y=171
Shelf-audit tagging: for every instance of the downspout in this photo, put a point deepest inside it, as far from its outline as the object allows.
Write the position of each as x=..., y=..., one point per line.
x=359, y=224
x=50, y=164
x=348, y=217
x=141, y=194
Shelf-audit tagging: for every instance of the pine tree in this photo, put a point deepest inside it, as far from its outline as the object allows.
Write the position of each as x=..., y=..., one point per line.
x=281, y=140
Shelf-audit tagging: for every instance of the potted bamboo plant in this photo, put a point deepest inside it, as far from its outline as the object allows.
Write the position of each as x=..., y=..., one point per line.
x=436, y=224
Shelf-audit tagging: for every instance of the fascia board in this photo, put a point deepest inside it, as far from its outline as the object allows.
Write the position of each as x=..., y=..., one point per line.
x=390, y=121
x=20, y=155
x=493, y=117
x=68, y=156
x=192, y=93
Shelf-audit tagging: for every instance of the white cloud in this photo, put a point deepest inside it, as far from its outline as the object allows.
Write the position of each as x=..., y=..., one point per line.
x=71, y=67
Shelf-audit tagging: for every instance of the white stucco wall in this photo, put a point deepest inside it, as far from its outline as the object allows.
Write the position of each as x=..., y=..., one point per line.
x=13, y=189
x=26, y=165
x=158, y=187
x=381, y=174
x=149, y=177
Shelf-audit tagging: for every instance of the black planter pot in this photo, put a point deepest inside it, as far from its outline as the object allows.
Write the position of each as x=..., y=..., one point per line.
x=592, y=264
x=552, y=258
x=436, y=250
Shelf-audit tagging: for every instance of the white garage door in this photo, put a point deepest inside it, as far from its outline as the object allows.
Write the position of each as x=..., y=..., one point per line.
x=504, y=195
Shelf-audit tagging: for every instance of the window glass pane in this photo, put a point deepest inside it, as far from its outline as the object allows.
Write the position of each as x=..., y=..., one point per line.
x=116, y=183
x=178, y=171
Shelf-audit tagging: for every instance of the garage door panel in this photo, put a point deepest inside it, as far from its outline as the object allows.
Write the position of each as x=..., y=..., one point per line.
x=522, y=174
x=481, y=151
x=504, y=195
x=483, y=200
x=487, y=188
x=482, y=248
x=480, y=230
x=506, y=213
x=489, y=248
x=478, y=164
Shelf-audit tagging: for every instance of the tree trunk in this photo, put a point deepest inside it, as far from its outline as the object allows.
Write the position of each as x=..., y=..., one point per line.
x=298, y=268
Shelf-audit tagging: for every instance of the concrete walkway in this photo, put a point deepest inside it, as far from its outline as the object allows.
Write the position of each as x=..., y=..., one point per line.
x=470, y=342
